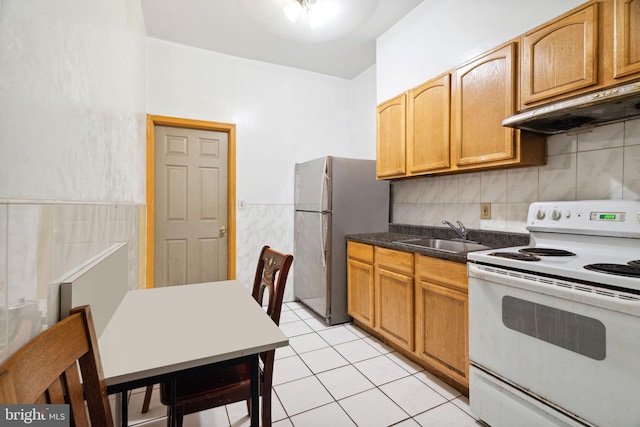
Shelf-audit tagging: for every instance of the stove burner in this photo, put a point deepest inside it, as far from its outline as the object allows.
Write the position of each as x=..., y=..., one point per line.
x=617, y=269
x=546, y=252
x=635, y=263
x=516, y=255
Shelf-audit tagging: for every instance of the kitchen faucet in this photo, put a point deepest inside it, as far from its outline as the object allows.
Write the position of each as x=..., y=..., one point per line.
x=461, y=231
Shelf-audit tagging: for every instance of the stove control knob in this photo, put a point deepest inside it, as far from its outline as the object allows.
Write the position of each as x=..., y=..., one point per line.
x=556, y=215
x=540, y=214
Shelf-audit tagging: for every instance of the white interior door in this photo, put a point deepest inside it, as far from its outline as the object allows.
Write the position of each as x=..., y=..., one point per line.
x=190, y=206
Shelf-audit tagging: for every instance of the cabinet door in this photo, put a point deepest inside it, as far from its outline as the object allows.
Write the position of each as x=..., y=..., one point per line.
x=428, y=126
x=391, y=138
x=560, y=57
x=627, y=38
x=360, y=291
x=484, y=96
x=441, y=329
x=394, y=307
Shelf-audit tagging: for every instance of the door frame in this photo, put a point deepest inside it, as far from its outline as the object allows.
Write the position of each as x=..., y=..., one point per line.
x=230, y=130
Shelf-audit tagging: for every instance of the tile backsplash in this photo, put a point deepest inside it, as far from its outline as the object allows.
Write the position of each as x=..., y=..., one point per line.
x=601, y=164
x=259, y=225
x=42, y=242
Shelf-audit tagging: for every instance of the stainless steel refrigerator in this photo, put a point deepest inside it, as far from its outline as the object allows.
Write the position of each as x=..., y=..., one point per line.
x=334, y=196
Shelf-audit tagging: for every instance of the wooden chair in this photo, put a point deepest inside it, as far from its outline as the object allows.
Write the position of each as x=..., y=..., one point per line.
x=229, y=384
x=60, y=365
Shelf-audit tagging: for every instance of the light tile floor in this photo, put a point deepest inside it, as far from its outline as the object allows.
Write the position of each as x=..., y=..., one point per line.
x=334, y=376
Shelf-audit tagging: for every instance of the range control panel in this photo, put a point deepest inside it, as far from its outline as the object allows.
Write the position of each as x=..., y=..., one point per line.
x=619, y=218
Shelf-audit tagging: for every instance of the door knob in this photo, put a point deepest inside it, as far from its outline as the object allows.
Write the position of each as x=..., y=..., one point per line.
x=223, y=230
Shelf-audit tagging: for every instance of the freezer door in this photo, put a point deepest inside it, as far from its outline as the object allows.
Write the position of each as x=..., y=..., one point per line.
x=311, y=269
x=312, y=185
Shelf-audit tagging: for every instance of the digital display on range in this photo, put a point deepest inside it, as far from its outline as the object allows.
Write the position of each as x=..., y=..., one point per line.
x=607, y=216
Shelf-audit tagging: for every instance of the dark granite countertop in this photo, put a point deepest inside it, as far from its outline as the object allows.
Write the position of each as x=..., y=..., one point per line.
x=397, y=232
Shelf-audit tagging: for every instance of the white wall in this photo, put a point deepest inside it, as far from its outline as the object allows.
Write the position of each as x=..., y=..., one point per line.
x=283, y=116
x=72, y=142
x=72, y=100
x=440, y=35
x=363, y=115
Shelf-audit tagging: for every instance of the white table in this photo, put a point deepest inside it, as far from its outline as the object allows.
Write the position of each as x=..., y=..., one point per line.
x=156, y=333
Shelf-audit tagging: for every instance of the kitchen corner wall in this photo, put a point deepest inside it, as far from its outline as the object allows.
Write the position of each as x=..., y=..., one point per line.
x=602, y=164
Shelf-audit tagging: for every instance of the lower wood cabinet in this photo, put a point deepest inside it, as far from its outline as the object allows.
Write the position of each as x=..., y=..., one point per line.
x=417, y=304
x=394, y=317
x=360, y=300
x=441, y=301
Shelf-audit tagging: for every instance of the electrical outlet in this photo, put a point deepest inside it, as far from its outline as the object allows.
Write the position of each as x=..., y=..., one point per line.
x=485, y=210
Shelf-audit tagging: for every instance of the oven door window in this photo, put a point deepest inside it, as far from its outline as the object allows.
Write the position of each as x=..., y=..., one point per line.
x=574, y=332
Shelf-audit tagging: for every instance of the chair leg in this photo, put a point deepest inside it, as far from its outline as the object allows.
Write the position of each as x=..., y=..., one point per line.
x=147, y=399
x=266, y=409
x=249, y=407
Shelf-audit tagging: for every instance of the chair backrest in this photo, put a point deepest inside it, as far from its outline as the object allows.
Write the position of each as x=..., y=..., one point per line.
x=271, y=275
x=61, y=365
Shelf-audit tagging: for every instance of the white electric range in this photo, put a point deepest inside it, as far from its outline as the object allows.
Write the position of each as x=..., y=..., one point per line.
x=554, y=326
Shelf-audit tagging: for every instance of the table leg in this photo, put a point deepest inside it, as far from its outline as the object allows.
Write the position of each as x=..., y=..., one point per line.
x=124, y=408
x=255, y=392
x=173, y=420
x=118, y=420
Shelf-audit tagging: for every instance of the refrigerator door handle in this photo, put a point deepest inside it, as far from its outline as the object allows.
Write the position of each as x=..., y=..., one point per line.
x=323, y=186
x=323, y=249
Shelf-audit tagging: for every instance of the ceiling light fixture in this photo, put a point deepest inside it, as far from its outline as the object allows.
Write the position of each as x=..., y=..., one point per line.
x=317, y=11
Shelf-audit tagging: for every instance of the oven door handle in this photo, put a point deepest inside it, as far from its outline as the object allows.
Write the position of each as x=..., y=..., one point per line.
x=578, y=292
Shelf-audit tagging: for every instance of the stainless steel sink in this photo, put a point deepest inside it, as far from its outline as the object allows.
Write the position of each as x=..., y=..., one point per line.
x=455, y=246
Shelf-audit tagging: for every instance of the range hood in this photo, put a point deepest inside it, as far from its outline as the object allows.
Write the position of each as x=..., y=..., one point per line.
x=597, y=108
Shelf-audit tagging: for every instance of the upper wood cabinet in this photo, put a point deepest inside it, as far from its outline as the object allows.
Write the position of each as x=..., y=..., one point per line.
x=391, y=138
x=561, y=56
x=592, y=47
x=484, y=94
x=627, y=38
x=454, y=123
x=428, y=126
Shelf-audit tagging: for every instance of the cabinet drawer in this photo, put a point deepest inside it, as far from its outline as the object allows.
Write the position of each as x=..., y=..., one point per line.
x=360, y=251
x=449, y=273
x=398, y=261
